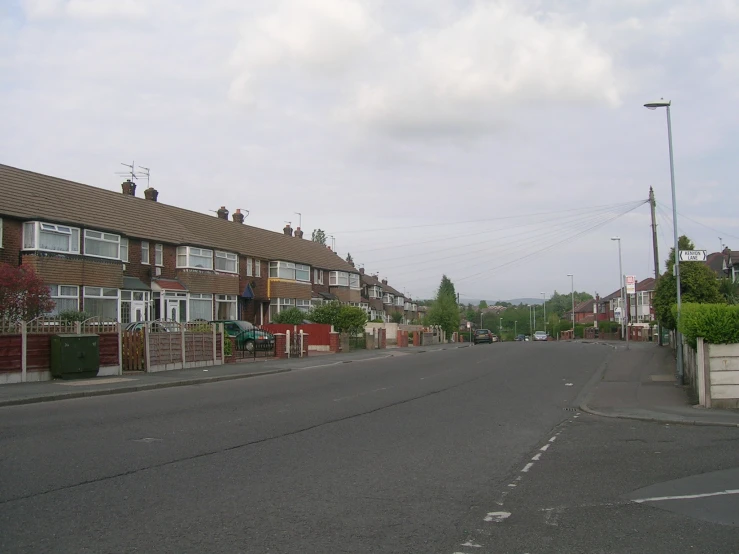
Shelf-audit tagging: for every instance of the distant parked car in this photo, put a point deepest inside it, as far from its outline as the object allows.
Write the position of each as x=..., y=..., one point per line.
x=247, y=336
x=540, y=336
x=495, y=338
x=483, y=335
x=520, y=338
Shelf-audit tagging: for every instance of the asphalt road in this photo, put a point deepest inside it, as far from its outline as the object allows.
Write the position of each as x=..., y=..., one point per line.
x=405, y=454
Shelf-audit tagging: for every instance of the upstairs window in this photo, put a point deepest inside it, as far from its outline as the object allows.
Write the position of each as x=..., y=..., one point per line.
x=375, y=292
x=194, y=258
x=159, y=254
x=144, y=252
x=102, y=245
x=302, y=273
x=282, y=270
x=257, y=268
x=249, y=267
x=338, y=279
x=227, y=262
x=50, y=237
x=387, y=298
x=354, y=281
x=124, y=250
x=318, y=276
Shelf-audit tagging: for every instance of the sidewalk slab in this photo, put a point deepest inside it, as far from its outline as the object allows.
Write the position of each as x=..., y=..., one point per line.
x=640, y=383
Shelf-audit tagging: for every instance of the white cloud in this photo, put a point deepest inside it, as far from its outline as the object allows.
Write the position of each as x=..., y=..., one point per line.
x=85, y=9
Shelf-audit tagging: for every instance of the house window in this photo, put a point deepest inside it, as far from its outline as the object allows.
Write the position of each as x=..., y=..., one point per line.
x=279, y=304
x=354, y=281
x=144, y=252
x=124, y=250
x=318, y=276
x=387, y=298
x=249, y=265
x=194, y=258
x=158, y=254
x=257, y=268
x=101, y=302
x=282, y=270
x=227, y=262
x=102, y=245
x=399, y=301
x=201, y=307
x=302, y=272
x=50, y=237
x=375, y=292
x=338, y=279
x=65, y=298
x=303, y=305
x=225, y=306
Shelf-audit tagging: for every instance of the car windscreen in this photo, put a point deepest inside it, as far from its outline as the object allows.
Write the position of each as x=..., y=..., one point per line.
x=244, y=325
x=482, y=332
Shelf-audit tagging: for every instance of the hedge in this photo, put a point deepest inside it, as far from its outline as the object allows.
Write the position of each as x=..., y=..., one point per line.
x=716, y=323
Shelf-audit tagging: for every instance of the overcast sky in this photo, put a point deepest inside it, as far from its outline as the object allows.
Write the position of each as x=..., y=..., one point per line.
x=388, y=123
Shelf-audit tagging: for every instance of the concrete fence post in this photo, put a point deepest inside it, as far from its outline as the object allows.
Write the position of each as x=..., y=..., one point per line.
x=120, y=348
x=213, y=328
x=184, y=348
x=287, y=343
x=24, y=351
x=301, y=343
x=700, y=372
x=147, y=350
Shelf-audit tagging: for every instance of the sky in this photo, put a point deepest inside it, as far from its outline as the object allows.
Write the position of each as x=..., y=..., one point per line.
x=498, y=142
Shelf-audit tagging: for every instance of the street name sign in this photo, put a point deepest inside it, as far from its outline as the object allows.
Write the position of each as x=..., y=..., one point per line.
x=692, y=255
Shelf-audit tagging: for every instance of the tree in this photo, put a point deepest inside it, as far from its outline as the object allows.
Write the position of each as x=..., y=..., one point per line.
x=729, y=290
x=444, y=311
x=327, y=313
x=349, y=259
x=23, y=295
x=698, y=284
x=483, y=304
x=319, y=236
x=396, y=317
x=351, y=320
x=291, y=316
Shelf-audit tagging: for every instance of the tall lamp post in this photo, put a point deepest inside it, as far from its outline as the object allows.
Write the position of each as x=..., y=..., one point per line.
x=572, y=282
x=544, y=295
x=621, y=287
x=662, y=103
x=500, y=330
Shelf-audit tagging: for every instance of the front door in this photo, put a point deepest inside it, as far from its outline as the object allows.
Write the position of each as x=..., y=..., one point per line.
x=138, y=311
x=173, y=309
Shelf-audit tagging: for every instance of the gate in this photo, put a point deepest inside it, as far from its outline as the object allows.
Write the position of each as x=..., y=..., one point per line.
x=295, y=345
x=247, y=344
x=134, y=353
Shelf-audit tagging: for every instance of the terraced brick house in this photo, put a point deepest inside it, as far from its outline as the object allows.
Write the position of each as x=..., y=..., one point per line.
x=127, y=258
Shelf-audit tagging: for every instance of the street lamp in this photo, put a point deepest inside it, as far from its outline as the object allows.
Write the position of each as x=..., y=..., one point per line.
x=621, y=286
x=544, y=295
x=662, y=103
x=500, y=329
x=572, y=281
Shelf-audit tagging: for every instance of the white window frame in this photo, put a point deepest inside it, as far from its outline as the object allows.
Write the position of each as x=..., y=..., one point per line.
x=338, y=279
x=230, y=300
x=249, y=267
x=355, y=283
x=318, y=276
x=159, y=254
x=56, y=293
x=304, y=271
x=189, y=252
x=276, y=268
x=388, y=298
x=107, y=238
x=399, y=301
x=303, y=305
x=103, y=293
x=257, y=268
x=199, y=297
x=124, y=250
x=375, y=291
x=35, y=228
x=144, y=248
x=229, y=257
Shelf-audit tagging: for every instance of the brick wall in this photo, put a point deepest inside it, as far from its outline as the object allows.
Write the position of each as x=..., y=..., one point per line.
x=76, y=270
x=258, y=284
x=345, y=294
x=134, y=267
x=11, y=245
x=289, y=289
x=208, y=281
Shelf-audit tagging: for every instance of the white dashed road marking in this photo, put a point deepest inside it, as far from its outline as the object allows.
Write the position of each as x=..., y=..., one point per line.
x=537, y=457
x=471, y=544
x=527, y=467
x=497, y=517
x=544, y=448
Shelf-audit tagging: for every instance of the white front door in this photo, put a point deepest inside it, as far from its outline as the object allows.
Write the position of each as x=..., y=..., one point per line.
x=173, y=309
x=138, y=311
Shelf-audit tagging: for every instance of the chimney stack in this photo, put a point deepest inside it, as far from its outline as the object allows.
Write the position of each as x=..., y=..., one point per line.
x=151, y=194
x=129, y=187
x=288, y=230
x=299, y=233
x=384, y=281
x=237, y=216
x=222, y=213
x=361, y=271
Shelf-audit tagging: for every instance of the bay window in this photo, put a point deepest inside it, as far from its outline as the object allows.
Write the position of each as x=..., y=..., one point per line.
x=50, y=237
x=65, y=298
x=399, y=301
x=201, y=306
x=387, y=298
x=276, y=305
x=338, y=279
x=102, y=245
x=375, y=292
x=226, y=306
x=227, y=262
x=194, y=258
x=282, y=270
x=101, y=302
x=303, y=305
x=354, y=281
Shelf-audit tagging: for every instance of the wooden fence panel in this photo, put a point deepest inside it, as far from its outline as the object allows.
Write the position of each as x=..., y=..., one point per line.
x=10, y=352
x=134, y=352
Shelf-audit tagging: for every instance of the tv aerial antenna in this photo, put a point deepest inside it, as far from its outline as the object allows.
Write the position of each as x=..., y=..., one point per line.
x=131, y=173
x=146, y=174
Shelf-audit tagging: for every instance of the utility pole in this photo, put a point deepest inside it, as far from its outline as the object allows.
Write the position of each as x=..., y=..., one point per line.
x=653, y=206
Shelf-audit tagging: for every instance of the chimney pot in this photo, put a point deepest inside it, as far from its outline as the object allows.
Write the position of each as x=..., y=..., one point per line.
x=129, y=187
x=299, y=233
x=237, y=216
x=288, y=230
x=384, y=281
x=222, y=213
x=361, y=271
x=151, y=194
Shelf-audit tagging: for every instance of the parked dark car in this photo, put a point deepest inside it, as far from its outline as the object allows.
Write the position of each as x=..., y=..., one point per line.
x=520, y=338
x=247, y=336
x=483, y=335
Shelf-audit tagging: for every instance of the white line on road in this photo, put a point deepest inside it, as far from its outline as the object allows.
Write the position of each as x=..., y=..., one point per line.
x=497, y=517
x=687, y=496
x=527, y=467
x=544, y=448
x=554, y=438
x=538, y=456
x=472, y=544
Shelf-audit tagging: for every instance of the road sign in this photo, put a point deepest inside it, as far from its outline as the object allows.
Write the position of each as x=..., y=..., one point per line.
x=692, y=255
x=469, y=325
x=631, y=284
x=617, y=312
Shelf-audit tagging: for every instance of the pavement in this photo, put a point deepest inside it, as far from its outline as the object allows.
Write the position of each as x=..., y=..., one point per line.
x=136, y=381
x=640, y=383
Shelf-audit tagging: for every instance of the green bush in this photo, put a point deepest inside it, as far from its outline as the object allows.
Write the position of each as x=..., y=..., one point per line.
x=71, y=316
x=291, y=316
x=716, y=323
x=228, y=346
x=609, y=326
